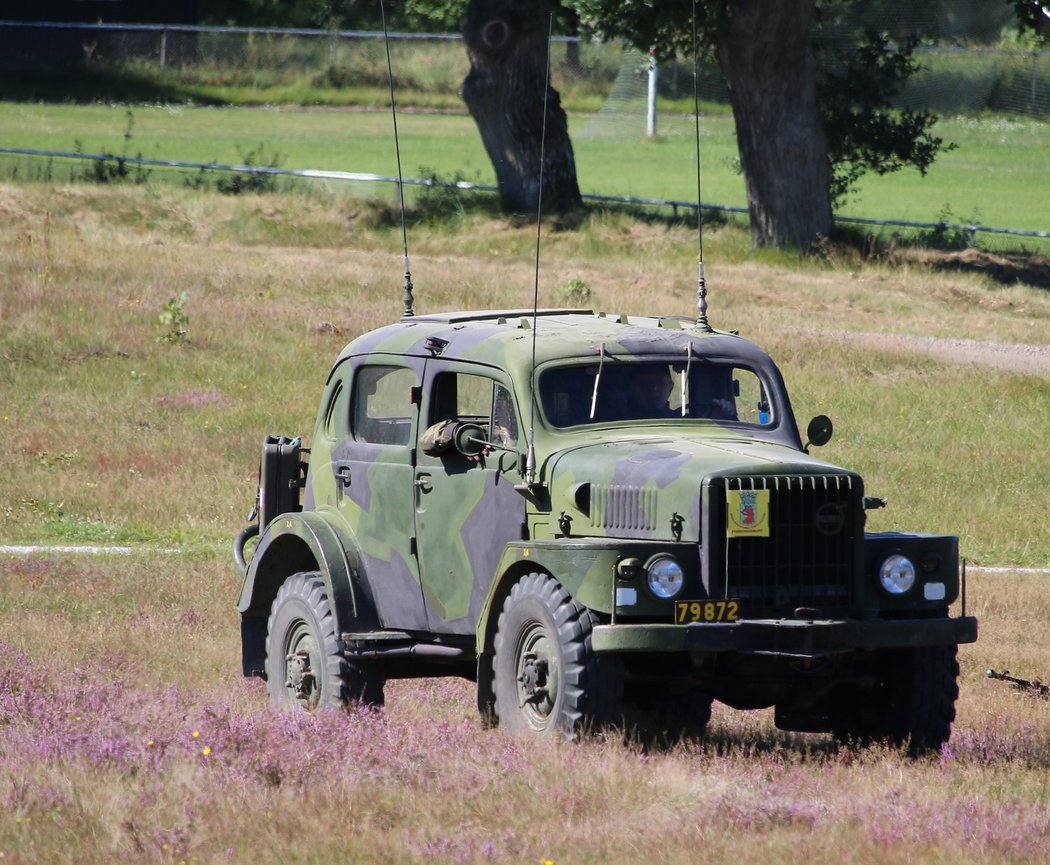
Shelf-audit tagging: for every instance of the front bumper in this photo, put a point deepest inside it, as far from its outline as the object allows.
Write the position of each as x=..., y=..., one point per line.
x=788, y=638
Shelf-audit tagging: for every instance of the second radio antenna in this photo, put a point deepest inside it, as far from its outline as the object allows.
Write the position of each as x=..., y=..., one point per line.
x=701, y=281
x=530, y=456
x=408, y=300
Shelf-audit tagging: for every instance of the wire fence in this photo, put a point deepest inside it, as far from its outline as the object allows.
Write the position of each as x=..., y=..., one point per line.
x=968, y=232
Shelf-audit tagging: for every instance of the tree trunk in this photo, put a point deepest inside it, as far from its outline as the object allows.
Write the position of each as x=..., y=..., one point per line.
x=507, y=45
x=767, y=59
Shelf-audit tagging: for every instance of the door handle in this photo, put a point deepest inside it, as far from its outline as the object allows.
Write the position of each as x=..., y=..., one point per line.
x=423, y=482
x=342, y=473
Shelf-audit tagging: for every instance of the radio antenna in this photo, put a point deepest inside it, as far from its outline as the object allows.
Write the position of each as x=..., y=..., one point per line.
x=701, y=281
x=530, y=457
x=400, y=180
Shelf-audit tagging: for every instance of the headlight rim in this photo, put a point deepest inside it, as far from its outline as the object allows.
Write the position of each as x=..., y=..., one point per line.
x=890, y=575
x=651, y=564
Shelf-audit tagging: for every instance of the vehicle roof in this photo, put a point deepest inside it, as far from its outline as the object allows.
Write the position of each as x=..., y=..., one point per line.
x=505, y=337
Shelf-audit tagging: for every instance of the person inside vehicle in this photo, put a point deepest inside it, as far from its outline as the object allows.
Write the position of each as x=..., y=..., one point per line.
x=649, y=388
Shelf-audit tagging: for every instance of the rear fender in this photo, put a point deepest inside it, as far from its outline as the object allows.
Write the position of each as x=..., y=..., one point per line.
x=292, y=543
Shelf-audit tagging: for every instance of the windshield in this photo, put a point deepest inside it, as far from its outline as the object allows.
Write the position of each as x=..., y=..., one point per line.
x=618, y=390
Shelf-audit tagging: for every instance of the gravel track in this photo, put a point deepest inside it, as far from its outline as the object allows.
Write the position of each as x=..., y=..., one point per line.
x=1023, y=358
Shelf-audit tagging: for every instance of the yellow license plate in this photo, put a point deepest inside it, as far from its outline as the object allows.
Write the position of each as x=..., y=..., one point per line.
x=688, y=612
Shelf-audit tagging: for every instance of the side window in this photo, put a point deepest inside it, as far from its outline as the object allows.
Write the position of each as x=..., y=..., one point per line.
x=476, y=398
x=381, y=406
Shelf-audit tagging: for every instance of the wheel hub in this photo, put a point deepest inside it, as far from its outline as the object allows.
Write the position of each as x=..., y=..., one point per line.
x=301, y=678
x=533, y=679
x=537, y=679
x=300, y=665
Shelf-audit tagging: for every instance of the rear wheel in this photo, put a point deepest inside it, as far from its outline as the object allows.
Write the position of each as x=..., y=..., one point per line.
x=664, y=715
x=687, y=715
x=305, y=667
x=546, y=677
x=913, y=704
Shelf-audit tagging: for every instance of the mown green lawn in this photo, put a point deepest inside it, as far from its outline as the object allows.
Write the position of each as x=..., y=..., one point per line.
x=998, y=174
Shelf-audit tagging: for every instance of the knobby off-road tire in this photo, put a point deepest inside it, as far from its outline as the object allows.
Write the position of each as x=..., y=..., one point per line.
x=913, y=707
x=305, y=667
x=547, y=679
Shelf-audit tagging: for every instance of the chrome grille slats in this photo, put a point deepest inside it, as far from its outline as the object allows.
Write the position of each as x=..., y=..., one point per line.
x=623, y=507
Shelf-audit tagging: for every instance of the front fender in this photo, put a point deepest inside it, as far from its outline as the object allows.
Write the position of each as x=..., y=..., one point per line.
x=585, y=567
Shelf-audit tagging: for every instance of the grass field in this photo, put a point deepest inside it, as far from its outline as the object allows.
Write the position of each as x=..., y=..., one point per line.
x=996, y=176
x=126, y=731
x=127, y=734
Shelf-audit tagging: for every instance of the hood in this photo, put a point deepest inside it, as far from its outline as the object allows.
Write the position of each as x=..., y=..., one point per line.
x=649, y=487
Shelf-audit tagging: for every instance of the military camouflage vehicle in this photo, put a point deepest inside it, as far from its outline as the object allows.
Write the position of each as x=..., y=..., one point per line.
x=598, y=519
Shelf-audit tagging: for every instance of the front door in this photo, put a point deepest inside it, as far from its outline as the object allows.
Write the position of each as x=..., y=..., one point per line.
x=373, y=473
x=466, y=507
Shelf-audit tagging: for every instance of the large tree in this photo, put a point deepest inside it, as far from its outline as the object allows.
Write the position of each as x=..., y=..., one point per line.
x=518, y=113
x=812, y=112
x=806, y=130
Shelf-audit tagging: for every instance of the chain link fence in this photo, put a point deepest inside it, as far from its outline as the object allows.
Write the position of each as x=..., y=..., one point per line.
x=588, y=75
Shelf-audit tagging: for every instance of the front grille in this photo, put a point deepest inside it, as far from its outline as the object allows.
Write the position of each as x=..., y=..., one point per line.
x=807, y=557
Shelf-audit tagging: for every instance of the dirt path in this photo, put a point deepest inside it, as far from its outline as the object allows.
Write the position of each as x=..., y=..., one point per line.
x=1023, y=358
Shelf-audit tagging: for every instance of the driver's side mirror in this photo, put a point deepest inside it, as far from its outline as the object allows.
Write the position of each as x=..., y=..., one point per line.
x=818, y=432
x=461, y=436
x=469, y=439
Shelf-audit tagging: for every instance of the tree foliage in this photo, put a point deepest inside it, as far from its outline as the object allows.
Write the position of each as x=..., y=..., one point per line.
x=1033, y=17
x=861, y=72
x=864, y=131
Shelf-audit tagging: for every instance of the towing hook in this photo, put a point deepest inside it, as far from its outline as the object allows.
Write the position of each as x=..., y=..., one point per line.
x=243, y=536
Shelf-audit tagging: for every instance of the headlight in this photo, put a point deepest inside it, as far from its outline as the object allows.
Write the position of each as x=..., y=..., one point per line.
x=664, y=575
x=897, y=575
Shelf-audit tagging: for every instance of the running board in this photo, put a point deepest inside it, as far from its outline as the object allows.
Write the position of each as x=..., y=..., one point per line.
x=398, y=644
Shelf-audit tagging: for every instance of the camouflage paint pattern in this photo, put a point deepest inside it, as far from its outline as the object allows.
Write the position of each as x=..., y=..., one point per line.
x=436, y=539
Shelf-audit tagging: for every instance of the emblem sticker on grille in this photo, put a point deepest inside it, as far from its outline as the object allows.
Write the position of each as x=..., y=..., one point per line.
x=747, y=514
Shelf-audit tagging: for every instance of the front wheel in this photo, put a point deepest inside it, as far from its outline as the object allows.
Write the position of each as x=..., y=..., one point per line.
x=305, y=667
x=546, y=677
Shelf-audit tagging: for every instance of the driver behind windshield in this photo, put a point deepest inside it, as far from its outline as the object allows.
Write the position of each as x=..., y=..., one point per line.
x=648, y=391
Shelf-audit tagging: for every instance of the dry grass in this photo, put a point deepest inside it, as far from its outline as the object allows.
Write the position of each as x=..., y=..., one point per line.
x=115, y=436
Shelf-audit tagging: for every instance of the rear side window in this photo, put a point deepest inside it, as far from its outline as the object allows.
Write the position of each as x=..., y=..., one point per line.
x=381, y=405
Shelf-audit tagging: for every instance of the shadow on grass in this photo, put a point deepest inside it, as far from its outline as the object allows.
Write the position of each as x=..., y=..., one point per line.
x=931, y=250
x=1004, y=268
x=88, y=86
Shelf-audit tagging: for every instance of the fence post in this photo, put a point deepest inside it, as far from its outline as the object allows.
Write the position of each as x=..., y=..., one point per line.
x=1032, y=94
x=650, y=114
x=163, y=48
